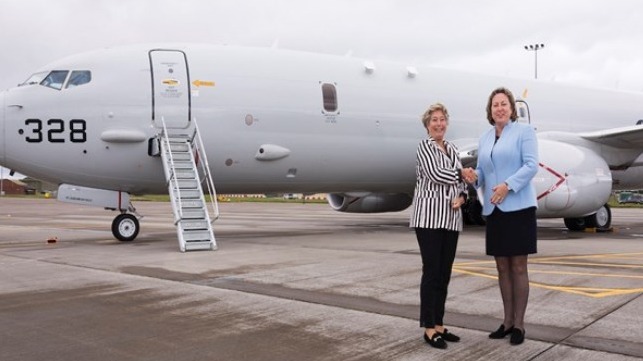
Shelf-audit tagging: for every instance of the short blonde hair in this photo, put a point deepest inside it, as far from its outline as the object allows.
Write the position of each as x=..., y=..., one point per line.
x=432, y=109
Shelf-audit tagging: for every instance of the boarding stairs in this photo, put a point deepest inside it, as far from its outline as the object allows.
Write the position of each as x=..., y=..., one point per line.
x=187, y=174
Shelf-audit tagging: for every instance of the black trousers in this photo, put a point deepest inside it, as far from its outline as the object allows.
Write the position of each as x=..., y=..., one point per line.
x=437, y=247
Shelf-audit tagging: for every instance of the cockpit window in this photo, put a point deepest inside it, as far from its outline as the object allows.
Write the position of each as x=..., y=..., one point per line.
x=35, y=78
x=55, y=79
x=79, y=77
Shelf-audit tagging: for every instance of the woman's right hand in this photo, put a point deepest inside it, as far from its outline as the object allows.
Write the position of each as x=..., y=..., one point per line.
x=469, y=175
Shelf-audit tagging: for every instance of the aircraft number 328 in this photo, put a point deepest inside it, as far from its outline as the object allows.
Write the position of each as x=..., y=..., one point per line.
x=55, y=130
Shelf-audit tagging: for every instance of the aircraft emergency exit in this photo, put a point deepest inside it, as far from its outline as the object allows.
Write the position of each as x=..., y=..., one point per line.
x=189, y=119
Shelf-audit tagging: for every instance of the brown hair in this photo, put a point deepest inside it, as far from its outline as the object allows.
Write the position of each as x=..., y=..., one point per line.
x=432, y=109
x=512, y=102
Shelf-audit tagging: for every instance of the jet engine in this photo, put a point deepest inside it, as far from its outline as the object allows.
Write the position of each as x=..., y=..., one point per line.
x=369, y=202
x=572, y=181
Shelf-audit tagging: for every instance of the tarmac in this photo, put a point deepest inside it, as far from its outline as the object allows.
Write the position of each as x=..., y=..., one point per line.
x=294, y=281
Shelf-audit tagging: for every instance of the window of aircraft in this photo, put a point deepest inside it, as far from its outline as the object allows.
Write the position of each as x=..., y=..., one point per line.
x=55, y=79
x=522, y=110
x=329, y=93
x=79, y=77
x=35, y=78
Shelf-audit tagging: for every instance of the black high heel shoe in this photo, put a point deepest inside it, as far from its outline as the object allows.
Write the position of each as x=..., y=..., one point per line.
x=501, y=332
x=517, y=336
x=435, y=340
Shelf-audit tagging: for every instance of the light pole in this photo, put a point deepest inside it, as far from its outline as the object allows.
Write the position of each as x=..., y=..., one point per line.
x=535, y=48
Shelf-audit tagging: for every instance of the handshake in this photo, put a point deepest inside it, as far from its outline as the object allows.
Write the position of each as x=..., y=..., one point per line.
x=469, y=175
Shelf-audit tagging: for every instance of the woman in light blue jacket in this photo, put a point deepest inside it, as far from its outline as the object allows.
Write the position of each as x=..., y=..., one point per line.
x=507, y=162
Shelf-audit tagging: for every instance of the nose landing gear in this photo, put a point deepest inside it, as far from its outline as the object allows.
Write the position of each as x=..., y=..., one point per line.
x=125, y=227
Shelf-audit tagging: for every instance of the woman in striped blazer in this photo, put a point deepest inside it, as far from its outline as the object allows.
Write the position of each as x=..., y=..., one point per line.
x=437, y=219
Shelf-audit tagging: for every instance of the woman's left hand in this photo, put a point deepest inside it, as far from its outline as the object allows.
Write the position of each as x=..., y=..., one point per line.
x=457, y=202
x=499, y=193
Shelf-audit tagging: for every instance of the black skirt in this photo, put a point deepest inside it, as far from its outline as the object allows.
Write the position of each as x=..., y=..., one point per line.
x=511, y=233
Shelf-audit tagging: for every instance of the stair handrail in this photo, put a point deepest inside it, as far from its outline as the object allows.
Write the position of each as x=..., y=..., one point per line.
x=176, y=203
x=214, y=203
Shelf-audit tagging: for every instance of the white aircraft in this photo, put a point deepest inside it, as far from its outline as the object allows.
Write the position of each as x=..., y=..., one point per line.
x=122, y=121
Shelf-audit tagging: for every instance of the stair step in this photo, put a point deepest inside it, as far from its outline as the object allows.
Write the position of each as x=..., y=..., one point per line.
x=179, y=147
x=185, y=174
x=187, y=193
x=178, y=137
x=188, y=184
x=192, y=224
x=182, y=164
x=191, y=204
x=199, y=246
x=197, y=235
x=193, y=214
x=181, y=156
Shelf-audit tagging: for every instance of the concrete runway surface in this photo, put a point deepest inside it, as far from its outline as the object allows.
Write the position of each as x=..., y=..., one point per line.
x=298, y=282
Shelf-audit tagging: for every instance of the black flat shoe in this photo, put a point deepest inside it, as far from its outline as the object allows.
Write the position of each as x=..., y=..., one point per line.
x=517, y=336
x=435, y=340
x=501, y=332
x=448, y=336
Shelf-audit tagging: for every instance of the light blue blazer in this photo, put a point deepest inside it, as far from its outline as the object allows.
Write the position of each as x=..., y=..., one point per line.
x=512, y=159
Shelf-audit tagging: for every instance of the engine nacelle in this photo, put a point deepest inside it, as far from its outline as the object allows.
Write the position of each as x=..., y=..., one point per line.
x=369, y=202
x=572, y=181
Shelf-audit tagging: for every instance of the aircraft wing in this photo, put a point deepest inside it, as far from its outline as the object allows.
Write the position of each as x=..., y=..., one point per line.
x=626, y=137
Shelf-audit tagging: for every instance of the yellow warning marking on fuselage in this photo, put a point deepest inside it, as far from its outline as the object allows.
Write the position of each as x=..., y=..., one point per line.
x=199, y=83
x=170, y=82
x=477, y=268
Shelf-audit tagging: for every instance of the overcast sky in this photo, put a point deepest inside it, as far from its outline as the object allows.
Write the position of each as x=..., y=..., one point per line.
x=587, y=42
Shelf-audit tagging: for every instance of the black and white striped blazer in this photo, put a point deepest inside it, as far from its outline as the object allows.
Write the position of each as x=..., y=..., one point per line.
x=438, y=184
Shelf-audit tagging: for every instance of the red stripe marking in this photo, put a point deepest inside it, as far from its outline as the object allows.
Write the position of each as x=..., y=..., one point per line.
x=561, y=180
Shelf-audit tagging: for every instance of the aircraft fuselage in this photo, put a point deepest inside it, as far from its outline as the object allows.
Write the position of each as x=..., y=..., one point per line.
x=274, y=120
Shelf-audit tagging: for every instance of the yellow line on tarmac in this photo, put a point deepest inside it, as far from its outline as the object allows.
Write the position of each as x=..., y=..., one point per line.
x=561, y=272
x=588, y=291
x=619, y=265
x=603, y=255
x=484, y=269
x=626, y=256
x=594, y=292
x=475, y=262
x=479, y=274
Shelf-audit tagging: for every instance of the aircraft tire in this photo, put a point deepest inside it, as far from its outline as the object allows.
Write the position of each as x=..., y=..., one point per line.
x=601, y=220
x=576, y=224
x=125, y=227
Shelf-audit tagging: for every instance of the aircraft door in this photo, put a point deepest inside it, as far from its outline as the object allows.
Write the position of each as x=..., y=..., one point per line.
x=171, y=98
x=522, y=109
